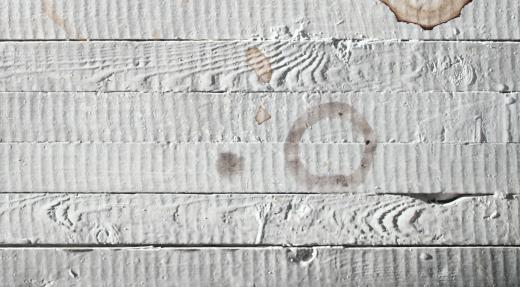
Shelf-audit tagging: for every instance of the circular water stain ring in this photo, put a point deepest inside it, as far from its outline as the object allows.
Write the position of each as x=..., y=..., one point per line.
x=310, y=118
x=426, y=13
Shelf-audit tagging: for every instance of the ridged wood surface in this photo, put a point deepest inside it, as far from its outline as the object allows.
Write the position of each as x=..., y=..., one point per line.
x=259, y=143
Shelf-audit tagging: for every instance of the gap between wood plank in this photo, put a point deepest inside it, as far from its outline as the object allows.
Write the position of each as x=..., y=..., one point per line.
x=266, y=40
x=89, y=247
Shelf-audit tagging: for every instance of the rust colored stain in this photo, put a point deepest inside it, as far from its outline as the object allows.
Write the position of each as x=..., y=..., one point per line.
x=426, y=13
x=156, y=35
x=229, y=164
x=260, y=64
x=310, y=118
x=262, y=115
x=49, y=11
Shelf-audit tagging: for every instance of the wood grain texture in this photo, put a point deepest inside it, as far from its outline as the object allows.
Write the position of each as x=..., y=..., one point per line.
x=229, y=117
x=261, y=267
x=191, y=220
x=193, y=168
x=243, y=19
x=213, y=66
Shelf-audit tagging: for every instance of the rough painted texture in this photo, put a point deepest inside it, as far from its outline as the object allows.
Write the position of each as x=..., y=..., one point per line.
x=243, y=19
x=213, y=66
x=233, y=128
x=187, y=167
x=255, y=117
x=188, y=220
x=261, y=267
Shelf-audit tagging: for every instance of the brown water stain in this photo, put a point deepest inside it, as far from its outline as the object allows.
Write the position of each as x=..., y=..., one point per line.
x=262, y=115
x=260, y=64
x=229, y=164
x=156, y=35
x=426, y=13
x=49, y=11
x=310, y=118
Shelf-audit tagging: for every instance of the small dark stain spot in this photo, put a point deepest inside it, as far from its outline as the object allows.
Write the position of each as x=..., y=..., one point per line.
x=340, y=114
x=425, y=256
x=229, y=164
x=73, y=274
x=302, y=256
x=367, y=142
x=438, y=198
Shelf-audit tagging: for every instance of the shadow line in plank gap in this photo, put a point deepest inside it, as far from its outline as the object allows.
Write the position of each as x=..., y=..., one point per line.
x=243, y=246
x=477, y=40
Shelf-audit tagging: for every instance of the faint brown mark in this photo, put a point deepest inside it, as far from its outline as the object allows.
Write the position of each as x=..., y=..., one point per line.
x=49, y=11
x=260, y=64
x=313, y=116
x=229, y=164
x=262, y=115
x=156, y=35
x=426, y=13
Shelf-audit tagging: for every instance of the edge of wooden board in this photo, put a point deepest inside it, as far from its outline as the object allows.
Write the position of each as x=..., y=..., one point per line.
x=275, y=66
x=482, y=266
x=231, y=219
x=239, y=19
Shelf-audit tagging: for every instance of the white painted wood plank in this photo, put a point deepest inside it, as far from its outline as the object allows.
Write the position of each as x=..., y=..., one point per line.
x=261, y=267
x=218, y=118
x=260, y=167
x=382, y=66
x=227, y=219
x=244, y=19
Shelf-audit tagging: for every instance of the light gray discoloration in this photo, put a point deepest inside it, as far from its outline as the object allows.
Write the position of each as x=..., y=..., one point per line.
x=312, y=117
x=292, y=220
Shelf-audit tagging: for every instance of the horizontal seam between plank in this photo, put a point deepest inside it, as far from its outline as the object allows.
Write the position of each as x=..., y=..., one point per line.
x=400, y=40
x=240, y=246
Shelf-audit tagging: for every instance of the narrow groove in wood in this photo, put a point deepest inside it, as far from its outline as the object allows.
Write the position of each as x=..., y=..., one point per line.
x=89, y=247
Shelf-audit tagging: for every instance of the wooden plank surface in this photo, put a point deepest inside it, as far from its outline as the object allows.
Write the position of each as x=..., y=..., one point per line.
x=216, y=66
x=260, y=167
x=244, y=19
x=259, y=143
x=64, y=117
x=261, y=267
x=195, y=220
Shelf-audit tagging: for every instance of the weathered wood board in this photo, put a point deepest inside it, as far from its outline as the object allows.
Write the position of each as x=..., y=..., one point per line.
x=195, y=118
x=259, y=143
x=261, y=267
x=244, y=19
x=216, y=66
x=249, y=220
x=260, y=168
